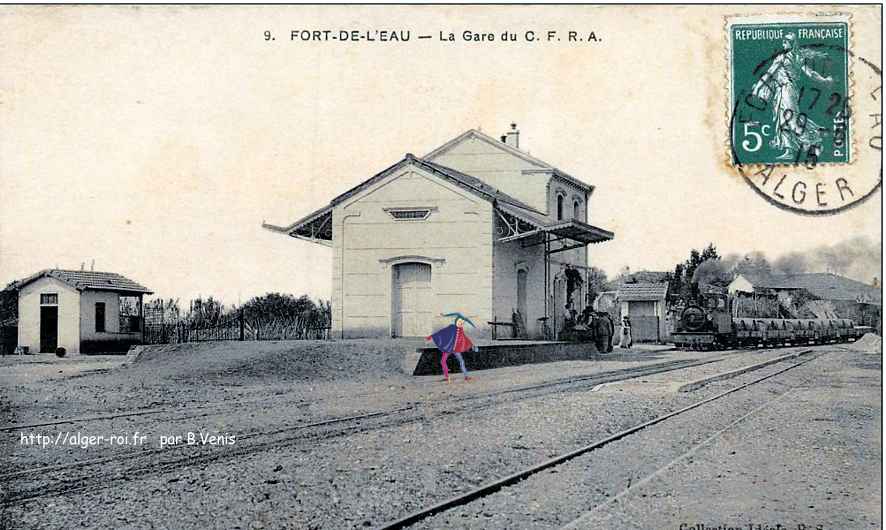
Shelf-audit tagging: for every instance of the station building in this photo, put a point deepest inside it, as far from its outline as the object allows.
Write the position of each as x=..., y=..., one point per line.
x=477, y=226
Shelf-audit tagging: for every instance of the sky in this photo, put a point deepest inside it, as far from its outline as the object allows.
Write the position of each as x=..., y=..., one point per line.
x=155, y=140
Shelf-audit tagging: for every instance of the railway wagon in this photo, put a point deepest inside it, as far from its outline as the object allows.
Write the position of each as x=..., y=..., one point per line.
x=709, y=324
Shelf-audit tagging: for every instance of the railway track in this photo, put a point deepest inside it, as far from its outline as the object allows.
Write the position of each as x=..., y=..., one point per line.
x=91, y=474
x=203, y=410
x=197, y=411
x=494, y=486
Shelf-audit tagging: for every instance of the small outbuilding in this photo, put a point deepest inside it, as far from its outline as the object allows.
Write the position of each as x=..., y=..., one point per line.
x=644, y=303
x=80, y=311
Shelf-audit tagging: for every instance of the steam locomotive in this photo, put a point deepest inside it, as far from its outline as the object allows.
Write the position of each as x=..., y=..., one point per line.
x=708, y=323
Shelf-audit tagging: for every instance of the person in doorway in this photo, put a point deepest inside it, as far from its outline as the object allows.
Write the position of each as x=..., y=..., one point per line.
x=626, y=340
x=452, y=340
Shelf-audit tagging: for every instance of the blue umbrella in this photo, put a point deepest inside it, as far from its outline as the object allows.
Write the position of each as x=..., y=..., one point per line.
x=459, y=316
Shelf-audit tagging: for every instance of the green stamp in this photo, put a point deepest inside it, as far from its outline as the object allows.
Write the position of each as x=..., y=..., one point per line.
x=790, y=93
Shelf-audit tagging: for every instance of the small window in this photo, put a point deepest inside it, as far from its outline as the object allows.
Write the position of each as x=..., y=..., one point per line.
x=49, y=299
x=559, y=207
x=415, y=214
x=576, y=210
x=100, y=316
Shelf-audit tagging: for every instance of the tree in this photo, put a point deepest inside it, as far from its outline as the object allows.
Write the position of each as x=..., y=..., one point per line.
x=710, y=252
x=9, y=307
x=597, y=283
x=712, y=273
x=684, y=281
x=277, y=305
x=675, y=286
x=205, y=312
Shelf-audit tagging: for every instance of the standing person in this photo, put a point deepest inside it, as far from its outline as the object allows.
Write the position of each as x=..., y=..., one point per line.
x=626, y=340
x=453, y=340
x=603, y=331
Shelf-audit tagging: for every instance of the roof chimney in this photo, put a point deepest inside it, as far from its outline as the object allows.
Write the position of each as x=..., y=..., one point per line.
x=512, y=138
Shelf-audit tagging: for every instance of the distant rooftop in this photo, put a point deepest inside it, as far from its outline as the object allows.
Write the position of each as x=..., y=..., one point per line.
x=825, y=285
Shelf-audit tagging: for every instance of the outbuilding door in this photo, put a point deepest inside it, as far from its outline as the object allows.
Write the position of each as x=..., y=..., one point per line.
x=411, y=300
x=48, y=329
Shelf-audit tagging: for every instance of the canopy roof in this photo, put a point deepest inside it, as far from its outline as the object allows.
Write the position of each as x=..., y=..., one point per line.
x=527, y=225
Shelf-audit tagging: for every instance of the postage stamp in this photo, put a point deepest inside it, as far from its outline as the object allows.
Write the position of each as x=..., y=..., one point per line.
x=790, y=88
x=804, y=115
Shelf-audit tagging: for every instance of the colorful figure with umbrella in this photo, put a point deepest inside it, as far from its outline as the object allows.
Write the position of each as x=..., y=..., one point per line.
x=452, y=340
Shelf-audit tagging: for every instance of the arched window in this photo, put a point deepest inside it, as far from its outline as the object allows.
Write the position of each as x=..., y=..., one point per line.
x=576, y=210
x=559, y=207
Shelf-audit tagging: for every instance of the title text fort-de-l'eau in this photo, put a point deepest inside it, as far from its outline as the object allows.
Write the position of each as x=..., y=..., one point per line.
x=396, y=36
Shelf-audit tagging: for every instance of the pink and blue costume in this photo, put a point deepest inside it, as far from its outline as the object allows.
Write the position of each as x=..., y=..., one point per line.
x=452, y=340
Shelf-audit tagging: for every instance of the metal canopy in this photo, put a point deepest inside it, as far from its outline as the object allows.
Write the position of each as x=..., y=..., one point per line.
x=577, y=231
x=315, y=227
x=531, y=229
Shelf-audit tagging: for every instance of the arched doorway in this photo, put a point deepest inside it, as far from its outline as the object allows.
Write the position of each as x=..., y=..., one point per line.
x=411, y=300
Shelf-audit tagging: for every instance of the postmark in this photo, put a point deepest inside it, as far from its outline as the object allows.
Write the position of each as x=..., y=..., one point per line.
x=805, y=120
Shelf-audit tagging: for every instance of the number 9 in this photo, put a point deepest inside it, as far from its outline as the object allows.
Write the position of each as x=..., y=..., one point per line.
x=268, y=35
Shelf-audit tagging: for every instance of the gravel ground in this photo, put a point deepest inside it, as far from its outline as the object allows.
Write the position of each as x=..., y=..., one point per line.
x=365, y=477
x=811, y=459
x=556, y=497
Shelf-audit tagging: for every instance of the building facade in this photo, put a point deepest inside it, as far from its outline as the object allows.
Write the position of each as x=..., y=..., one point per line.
x=476, y=226
x=80, y=311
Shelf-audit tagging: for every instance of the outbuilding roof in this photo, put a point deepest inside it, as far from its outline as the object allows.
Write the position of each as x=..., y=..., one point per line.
x=86, y=280
x=638, y=292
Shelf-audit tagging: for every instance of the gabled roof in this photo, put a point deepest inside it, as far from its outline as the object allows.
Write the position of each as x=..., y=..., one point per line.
x=316, y=227
x=85, y=280
x=763, y=279
x=467, y=182
x=637, y=292
x=541, y=164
